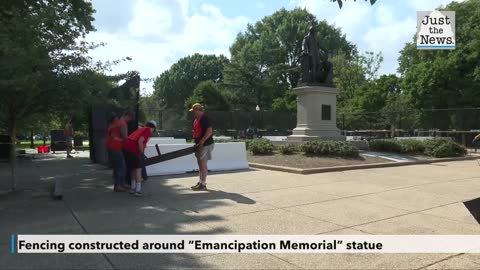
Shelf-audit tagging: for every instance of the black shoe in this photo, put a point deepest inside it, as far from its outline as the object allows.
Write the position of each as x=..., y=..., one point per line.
x=200, y=187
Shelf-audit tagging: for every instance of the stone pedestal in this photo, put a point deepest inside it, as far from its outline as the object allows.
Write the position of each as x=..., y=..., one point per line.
x=316, y=114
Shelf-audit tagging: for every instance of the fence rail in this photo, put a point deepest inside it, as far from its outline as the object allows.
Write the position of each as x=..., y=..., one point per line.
x=435, y=122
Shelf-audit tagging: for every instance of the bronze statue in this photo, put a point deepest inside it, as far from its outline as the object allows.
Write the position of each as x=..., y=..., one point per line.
x=316, y=69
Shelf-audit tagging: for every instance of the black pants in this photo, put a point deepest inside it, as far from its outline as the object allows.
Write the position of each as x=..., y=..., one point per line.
x=128, y=178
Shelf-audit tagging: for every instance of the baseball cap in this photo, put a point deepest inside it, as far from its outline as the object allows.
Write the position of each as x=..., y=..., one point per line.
x=196, y=106
x=152, y=122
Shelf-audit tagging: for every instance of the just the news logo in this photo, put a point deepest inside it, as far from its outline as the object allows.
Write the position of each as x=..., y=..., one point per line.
x=436, y=30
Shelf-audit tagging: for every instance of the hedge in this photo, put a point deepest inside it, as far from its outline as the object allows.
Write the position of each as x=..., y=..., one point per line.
x=260, y=147
x=288, y=149
x=330, y=148
x=438, y=147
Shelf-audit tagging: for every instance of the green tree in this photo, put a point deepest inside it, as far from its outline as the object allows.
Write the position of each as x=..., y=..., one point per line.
x=399, y=113
x=351, y=73
x=38, y=43
x=175, y=85
x=446, y=78
x=287, y=103
x=265, y=59
x=151, y=108
x=208, y=94
x=369, y=99
x=374, y=95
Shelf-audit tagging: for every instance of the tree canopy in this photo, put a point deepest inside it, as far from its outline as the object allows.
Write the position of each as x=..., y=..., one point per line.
x=265, y=59
x=45, y=72
x=446, y=78
x=209, y=95
x=174, y=86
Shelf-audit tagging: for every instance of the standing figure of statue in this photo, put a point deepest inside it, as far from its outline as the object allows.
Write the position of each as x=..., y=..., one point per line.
x=315, y=65
x=311, y=58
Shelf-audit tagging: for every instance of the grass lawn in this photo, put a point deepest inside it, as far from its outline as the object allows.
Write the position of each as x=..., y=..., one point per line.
x=26, y=144
x=301, y=161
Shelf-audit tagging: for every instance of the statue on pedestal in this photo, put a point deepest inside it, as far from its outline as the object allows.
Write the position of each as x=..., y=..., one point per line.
x=316, y=69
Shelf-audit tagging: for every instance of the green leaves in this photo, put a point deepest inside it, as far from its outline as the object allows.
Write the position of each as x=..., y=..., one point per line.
x=265, y=60
x=350, y=73
x=446, y=78
x=39, y=45
x=438, y=147
x=175, y=85
x=208, y=94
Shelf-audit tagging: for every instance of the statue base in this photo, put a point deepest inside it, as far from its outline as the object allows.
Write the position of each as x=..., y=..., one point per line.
x=316, y=114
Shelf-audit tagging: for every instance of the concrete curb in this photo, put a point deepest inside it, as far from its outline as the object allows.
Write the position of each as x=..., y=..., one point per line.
x=275, y=168
x=357, y=167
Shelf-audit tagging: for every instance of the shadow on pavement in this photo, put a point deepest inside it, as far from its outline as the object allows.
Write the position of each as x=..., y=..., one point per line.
x=90, y=207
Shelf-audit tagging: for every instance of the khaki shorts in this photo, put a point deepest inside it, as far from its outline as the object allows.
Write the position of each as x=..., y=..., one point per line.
x=205, y=152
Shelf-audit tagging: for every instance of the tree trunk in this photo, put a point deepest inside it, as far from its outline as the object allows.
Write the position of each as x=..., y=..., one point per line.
x=13, y=156
x=32, y=144
x=44, y=139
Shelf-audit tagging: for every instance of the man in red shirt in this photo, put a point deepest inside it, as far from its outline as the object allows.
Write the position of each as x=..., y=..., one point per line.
x=204, y=144
x=114, y=145
x=123, y=123
x=134, y=147
x=127, y=117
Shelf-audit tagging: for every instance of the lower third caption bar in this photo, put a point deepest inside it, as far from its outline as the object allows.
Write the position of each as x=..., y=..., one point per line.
x=248, y=244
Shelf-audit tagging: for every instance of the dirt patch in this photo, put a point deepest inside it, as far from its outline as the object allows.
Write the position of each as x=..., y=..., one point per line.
x=307, y=162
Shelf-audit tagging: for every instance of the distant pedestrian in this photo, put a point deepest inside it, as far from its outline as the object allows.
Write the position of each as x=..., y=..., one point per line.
x=476, y=142
x=68, y=133
x=134, y=149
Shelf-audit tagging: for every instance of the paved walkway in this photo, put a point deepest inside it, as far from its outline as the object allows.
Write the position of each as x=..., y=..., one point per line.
x=388, y=156
x=422, y=199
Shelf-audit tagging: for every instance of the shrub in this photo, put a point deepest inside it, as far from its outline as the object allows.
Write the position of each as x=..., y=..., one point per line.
x=288, y=149
x=260, y=147
x=385, y=145
x=330, y=148
x=443, y=147
x=438, y=147
x=431, y=144
x=412, y=146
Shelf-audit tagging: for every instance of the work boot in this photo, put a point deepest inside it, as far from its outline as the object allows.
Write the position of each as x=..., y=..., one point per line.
x=200, y=187
x=196, y=186
x=120, y=189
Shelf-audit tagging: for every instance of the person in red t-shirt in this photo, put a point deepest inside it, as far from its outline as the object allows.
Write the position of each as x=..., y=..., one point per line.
x=204, y=144
x=114, y=145
x=127, y=117
x=134, y=147
x=123, y=123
